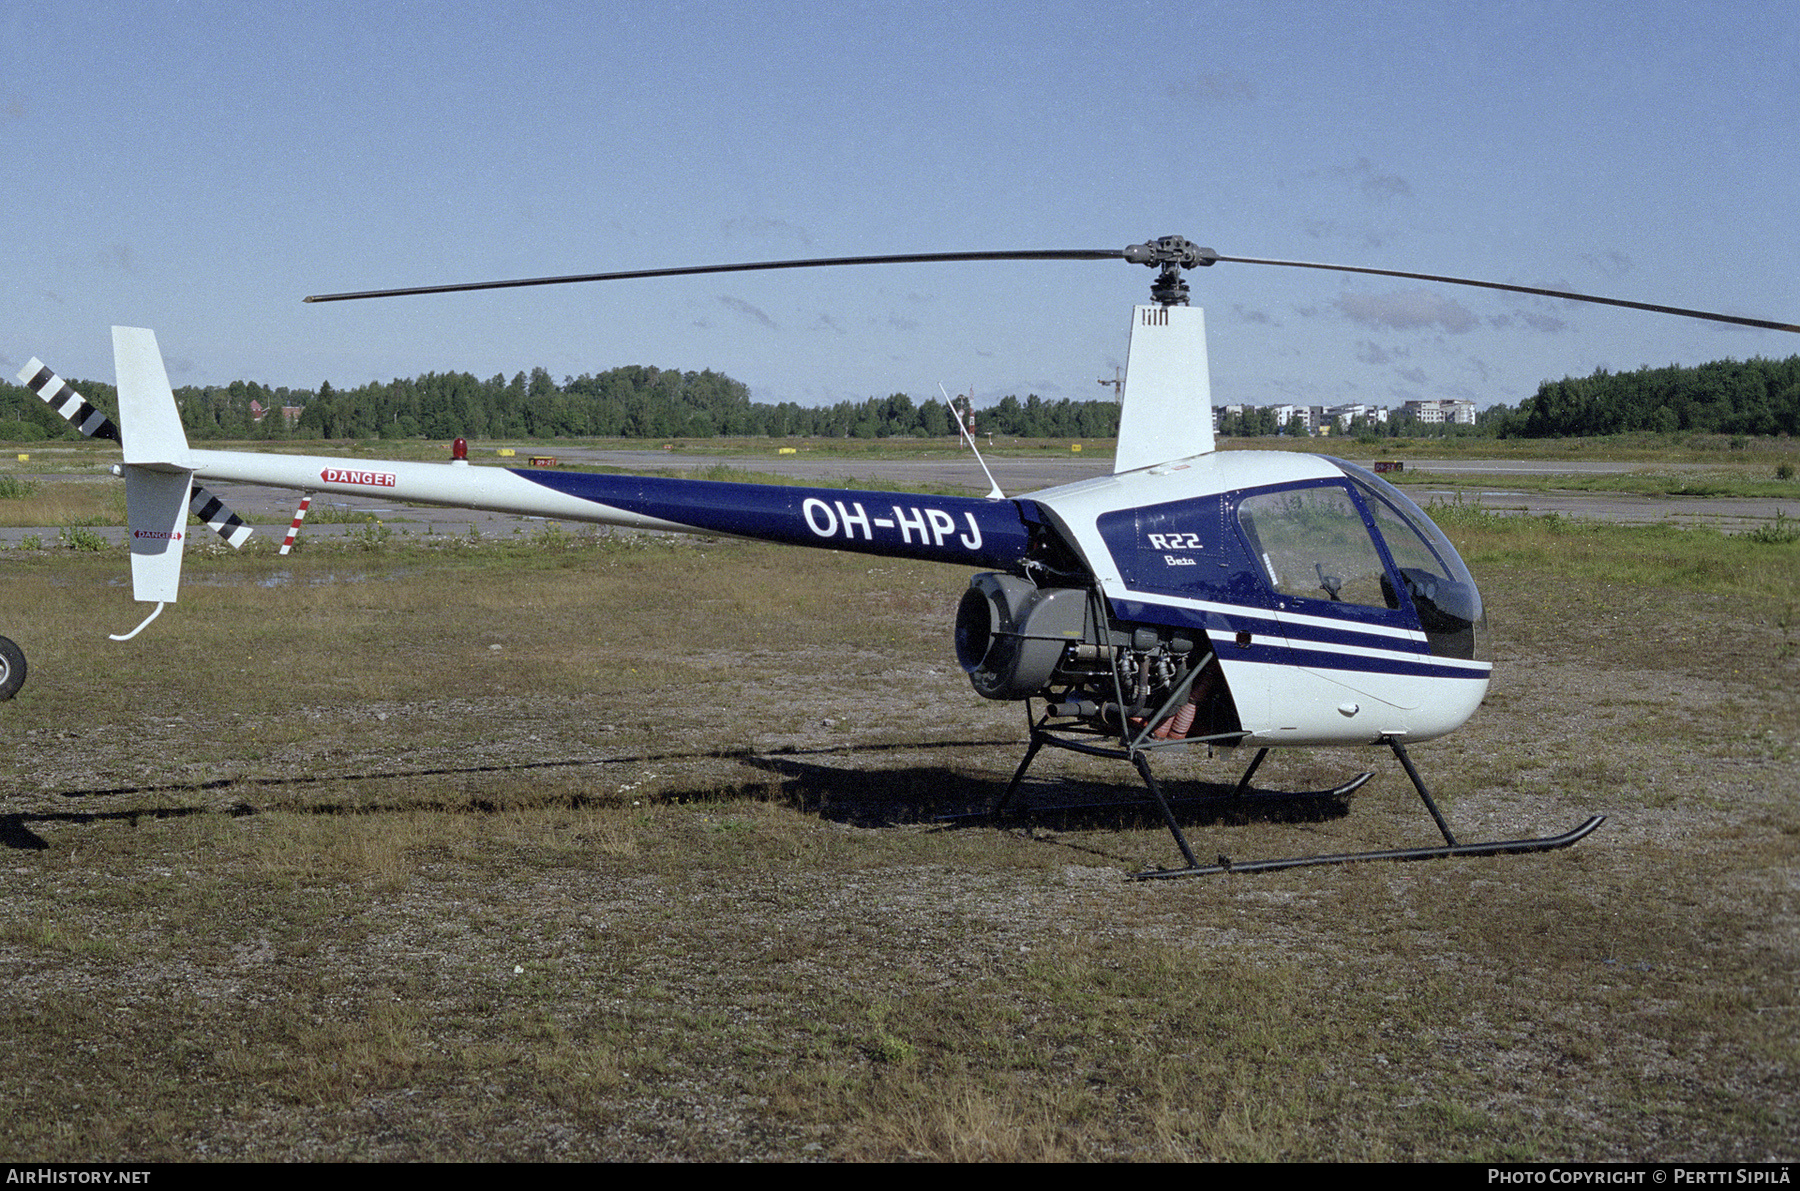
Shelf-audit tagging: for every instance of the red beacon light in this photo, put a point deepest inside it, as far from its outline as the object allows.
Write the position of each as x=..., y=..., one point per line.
x=459, y=451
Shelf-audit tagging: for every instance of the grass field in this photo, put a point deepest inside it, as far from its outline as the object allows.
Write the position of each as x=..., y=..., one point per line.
x=623, y=848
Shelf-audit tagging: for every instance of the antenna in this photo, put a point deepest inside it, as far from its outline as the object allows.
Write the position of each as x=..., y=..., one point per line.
x=994, y=492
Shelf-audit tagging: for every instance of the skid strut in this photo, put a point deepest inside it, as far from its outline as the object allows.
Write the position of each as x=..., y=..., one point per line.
x=1041, y=736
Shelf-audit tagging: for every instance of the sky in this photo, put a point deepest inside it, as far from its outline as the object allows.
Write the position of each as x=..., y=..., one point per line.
x=199, y=167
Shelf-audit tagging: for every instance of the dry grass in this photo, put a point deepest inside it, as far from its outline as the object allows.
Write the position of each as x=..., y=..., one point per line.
x=57, y=501
x=625, y=852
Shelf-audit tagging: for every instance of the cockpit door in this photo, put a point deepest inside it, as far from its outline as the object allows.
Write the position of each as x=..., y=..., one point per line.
x=1351, y=632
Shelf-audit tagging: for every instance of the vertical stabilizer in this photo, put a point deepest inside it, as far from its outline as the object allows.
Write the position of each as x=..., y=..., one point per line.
x=1166, y=411
x=149, y=423
x=158, y=470
x=156, y=503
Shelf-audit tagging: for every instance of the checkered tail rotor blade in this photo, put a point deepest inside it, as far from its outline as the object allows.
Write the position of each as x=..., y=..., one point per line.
x=61, y=397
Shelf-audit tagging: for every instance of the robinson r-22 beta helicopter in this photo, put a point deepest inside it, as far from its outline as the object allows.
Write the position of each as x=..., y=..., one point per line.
x=1238, y=599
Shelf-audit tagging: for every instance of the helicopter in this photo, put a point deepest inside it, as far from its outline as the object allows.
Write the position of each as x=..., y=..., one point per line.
x=1243, y=599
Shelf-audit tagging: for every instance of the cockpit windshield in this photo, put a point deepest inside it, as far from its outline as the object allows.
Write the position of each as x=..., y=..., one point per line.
x=1442, y=589
x=1313, y=545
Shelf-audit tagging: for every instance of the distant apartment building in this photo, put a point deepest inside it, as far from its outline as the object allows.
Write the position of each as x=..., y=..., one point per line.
x=1343, y=415
x=1338, y=419
x=1457, y=410
x=1285, y=415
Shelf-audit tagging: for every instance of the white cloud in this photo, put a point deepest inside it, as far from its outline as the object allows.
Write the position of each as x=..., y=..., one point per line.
x=1408, y=310
x=1215, y=87
x=1609, y=264
x=746, y=309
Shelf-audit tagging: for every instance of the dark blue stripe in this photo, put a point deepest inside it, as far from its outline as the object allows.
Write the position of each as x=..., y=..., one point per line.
x=1303, y=634
x=953, y=529
x=1353, y=663
x=1252, y=620
x=1262, y=620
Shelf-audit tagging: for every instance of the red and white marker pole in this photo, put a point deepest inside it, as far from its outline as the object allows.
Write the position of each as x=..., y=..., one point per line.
x=294, y=529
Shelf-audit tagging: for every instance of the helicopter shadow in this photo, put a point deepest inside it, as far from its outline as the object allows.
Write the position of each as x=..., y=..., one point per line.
x=16, y=832
x=956, y=798
x=834, y=784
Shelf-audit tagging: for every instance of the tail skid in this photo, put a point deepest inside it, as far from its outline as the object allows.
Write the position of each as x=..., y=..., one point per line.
x=142, y=625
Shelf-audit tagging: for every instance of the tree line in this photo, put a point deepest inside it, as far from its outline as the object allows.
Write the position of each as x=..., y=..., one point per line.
x=1757, y=396
x=630, y=402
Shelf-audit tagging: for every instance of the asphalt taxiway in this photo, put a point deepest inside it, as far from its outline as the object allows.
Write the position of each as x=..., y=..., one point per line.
x=271, y=509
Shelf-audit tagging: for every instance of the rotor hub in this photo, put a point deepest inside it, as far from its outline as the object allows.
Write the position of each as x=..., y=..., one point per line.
x=1170, y=255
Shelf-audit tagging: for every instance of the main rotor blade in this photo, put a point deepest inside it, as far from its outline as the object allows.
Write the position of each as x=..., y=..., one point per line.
x=1049, y=254
x=1170, y=253
x=1763, y=323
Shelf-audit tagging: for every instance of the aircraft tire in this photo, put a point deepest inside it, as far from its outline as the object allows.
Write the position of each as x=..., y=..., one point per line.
x=12, y=669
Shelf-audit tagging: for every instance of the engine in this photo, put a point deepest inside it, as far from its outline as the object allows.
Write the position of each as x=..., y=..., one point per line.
x=1012, y=635
x=1017, y=640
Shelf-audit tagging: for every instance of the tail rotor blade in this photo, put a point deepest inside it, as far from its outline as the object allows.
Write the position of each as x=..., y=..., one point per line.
x=219, y=517
x=59, y=396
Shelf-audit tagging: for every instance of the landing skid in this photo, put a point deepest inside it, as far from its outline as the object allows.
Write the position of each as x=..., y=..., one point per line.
x=1492, y=848
x=1042, y=736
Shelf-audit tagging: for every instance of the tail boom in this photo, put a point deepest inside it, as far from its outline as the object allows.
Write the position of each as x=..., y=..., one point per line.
x=954, y=529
